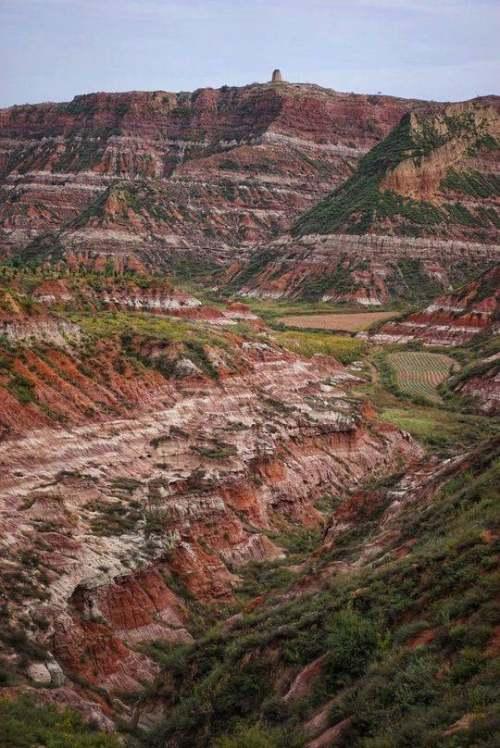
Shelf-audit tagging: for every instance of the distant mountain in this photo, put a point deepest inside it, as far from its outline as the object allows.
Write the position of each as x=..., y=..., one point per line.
x=222, y=167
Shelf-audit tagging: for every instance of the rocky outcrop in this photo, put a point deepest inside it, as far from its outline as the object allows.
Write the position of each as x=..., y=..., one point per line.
x=479, y=382
x=453, y=319
x=435, y=176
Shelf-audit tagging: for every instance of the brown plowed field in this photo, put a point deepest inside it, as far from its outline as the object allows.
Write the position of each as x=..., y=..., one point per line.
x=349, y=322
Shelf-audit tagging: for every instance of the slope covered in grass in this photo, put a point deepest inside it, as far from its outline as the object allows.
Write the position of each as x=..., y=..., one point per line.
x=408, y=641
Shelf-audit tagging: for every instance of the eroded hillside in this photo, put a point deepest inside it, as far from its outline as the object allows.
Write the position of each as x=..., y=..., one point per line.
x=202, y=170
x=145, y=460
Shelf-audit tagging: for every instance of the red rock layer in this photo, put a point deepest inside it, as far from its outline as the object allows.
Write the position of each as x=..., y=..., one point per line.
x=452, y=319
x=234, y=164
x=368, y=270
x=109, y=529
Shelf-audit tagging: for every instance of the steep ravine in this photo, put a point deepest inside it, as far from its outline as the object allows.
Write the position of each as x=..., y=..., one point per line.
x=114, y=533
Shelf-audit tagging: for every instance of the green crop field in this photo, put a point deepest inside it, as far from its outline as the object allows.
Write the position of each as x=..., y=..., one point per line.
x=308, y=343
x=419, y=374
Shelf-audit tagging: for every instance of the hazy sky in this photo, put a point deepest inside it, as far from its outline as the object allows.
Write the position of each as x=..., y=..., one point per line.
x=51, y=50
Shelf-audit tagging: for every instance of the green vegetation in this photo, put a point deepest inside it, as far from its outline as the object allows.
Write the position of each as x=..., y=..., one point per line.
x=25, y=724
x=419, y=374
x=343, y=348
x=22, y=389
x=360, y=202
x=115, y=518
x=271, y=311
x=44, y=248
x=472, y=183
x=217, y=450
x=258, y=262
x=405, y=639
x=187, y=340
x=80, y=154
x=107, y=324
x=341, y=280
x=440, y=429
x=412, y=281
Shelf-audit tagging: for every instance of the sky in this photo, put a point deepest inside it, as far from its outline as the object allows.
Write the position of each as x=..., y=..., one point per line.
x=51, y=50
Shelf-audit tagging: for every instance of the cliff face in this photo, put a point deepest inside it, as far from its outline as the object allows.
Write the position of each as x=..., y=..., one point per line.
x=369, y=270
x=435, y=175
x=219, y=166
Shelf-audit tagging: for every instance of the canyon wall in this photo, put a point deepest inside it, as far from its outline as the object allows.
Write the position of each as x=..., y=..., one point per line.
x=368, y=270
x=140, y=471
x=218, y=166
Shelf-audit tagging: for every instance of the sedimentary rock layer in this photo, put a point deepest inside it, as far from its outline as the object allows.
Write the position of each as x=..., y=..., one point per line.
x=369, y=270
x=109, y=528
x=230, y=165
x=452, y=319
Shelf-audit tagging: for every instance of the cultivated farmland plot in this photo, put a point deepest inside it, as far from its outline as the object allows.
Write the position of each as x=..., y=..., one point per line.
x=348, y=322
x=419, y=374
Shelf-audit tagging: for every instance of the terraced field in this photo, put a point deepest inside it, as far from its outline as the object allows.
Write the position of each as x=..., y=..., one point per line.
x=419, y=374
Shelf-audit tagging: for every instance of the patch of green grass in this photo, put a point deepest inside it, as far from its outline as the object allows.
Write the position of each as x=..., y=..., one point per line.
x=22, y=389
x=262, y=577
x=345, y=349
x=192, y=337
x=25, y=724
x=438, y=428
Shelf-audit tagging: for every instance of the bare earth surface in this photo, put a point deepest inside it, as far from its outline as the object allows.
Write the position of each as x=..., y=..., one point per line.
x=348, y=322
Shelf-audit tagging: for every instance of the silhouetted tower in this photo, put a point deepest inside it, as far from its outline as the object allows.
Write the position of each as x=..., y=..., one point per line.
x=277, y=77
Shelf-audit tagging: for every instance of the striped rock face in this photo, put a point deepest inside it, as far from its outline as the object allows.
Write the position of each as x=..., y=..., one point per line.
x=201, y=172
x=131, y=483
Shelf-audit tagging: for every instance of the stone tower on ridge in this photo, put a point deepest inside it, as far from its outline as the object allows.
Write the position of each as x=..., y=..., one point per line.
x=277, y=77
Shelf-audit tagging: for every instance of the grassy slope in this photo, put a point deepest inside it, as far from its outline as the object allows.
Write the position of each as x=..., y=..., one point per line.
x=24, y=724
x=396, y=694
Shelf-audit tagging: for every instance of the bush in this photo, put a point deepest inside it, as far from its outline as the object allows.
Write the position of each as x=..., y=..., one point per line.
x=22, y=389
x=352, y=643
x=259, y=737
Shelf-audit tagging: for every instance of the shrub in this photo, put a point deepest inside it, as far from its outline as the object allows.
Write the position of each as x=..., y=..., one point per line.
x=22, y=389
x=24, y=723
x=352, y=643
x=256, y=736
